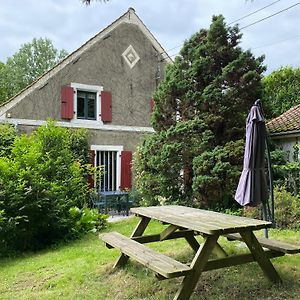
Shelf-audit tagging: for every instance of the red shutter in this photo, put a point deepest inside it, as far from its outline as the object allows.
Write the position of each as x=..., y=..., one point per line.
x=126, y=159
x=67, y=102
x=152, y=103
x=106, y=113
x=91, y=181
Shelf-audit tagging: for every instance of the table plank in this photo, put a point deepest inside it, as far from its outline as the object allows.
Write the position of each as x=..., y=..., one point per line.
x=200, y=220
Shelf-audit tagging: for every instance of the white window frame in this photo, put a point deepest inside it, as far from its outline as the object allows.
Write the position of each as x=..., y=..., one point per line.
x=87, y=88
x=118, y=149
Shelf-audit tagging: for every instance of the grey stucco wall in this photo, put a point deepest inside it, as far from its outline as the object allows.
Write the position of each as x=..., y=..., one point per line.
x=104, y=65
x=129, y=140
x=287, y=145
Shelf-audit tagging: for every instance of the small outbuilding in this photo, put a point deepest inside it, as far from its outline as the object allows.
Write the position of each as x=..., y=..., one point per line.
x=285, y=131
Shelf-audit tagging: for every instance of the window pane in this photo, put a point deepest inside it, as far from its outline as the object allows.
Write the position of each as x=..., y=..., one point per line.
x=91, y=107
x=92, y=95
x=80, y=107
x=86, y=105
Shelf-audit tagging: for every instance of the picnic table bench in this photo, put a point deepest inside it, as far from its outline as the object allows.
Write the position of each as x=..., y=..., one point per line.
x=186, y=222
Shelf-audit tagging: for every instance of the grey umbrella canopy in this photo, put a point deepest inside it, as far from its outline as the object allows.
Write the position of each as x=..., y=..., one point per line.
x=252, y=188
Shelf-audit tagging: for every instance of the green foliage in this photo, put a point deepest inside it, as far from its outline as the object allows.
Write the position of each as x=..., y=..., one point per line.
x=199, y=108
x=39, y=182
x=217, y=172
x=3, y=90
x=287, y=209
x=86, y=219
x=290, y=172
x=281, y=90
x=25, y=66
x=159, y=161
x=7, y=137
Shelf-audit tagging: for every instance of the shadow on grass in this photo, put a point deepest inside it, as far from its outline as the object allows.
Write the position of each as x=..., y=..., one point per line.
x=246, y=282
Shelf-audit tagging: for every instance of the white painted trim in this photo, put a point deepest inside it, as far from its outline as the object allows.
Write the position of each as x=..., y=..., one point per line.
x=128, y=17
x=126, y=52
x=87, y=88
x=86, y=125
x=118, y=149
x=107, y=148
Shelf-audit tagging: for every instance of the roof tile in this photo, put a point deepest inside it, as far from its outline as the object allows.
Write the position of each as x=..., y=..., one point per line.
x=288, y=121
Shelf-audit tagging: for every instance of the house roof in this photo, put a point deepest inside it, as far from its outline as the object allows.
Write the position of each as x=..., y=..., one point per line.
x=287, y=123
x=128, y=17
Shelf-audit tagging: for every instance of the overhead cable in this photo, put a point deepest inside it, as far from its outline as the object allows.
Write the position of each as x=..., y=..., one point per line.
x=251, y=24
x=254, y=12
x=277, y=13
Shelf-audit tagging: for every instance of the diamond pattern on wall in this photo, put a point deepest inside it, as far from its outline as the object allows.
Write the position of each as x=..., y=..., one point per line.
x=130, y=56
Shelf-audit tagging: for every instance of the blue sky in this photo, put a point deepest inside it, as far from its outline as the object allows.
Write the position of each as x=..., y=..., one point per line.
x=69, y=23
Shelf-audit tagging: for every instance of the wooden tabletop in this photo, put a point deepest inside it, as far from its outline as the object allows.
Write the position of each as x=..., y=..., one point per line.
x=202, y=221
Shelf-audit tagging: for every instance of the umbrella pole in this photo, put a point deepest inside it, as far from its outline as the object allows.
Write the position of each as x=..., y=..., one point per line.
x=265, y=217
x=272, y=210
x=268, y=213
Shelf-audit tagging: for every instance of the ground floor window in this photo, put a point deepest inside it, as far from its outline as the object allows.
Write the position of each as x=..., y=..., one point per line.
x=115, y=165
x=109, y=175
x=108, y=158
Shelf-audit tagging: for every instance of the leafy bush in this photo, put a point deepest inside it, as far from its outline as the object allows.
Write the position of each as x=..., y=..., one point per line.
x=40, y=181
x=286, y=206
x=291, y=172
x=7, y=137
x=86, y=219
x=287, y=209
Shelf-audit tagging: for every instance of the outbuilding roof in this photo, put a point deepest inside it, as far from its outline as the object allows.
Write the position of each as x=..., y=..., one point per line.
x=286, y=123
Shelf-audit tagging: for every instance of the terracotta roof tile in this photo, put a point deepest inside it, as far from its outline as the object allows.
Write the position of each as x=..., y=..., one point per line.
x=288, y=121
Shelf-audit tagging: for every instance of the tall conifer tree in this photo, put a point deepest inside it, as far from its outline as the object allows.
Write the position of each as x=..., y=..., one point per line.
x=199, y=117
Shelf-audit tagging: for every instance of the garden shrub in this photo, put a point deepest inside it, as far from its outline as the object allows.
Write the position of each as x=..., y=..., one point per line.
x=86, y=219
x=7, y=137
x=287, y=209
x=291, y=172
x=40, y=181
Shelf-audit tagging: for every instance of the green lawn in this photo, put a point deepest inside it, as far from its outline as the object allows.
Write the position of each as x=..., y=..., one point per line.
x=83, y=270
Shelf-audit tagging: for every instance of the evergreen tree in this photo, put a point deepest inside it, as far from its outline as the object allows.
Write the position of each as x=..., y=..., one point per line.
x=195, y=155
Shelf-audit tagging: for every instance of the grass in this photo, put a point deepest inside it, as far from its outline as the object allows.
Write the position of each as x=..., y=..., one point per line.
x=83, y=270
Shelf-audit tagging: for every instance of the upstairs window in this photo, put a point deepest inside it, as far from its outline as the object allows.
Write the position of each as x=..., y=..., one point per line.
x=86, y=105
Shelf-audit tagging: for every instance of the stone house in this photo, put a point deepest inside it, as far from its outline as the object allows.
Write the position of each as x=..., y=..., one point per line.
x=106, y=87
x=285, y=131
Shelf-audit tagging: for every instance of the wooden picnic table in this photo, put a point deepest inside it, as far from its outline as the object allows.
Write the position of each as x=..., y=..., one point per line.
x=186, y=222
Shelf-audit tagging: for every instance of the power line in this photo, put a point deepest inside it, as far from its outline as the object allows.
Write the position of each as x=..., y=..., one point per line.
x=277, y=13
x=254, y=12
x=251, y=24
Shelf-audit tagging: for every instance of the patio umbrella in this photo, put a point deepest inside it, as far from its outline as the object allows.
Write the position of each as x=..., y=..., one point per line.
x=253, y=188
